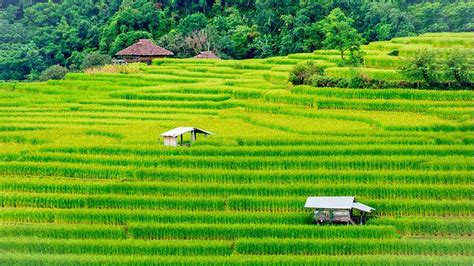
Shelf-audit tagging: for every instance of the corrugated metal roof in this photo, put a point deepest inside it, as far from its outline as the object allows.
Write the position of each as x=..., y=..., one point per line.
x=362, y=207
x=329, y=202
x=182, y=130
x=336, y=203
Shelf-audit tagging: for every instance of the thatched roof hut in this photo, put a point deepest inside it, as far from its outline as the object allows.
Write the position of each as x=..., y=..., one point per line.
x=206, y=55
x=143, y=51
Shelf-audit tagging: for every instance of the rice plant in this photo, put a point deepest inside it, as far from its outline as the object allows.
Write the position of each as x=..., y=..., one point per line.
x=85, y=179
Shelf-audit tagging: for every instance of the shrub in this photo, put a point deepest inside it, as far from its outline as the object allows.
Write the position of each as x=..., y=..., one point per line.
x=356, y=57
x=303, y=71
x=323, y=81
x=95, y=59
x=422, y=67
x=343, y=83
x=53, y=72
x=394, y=52
x=457, y=67
x=358, y=80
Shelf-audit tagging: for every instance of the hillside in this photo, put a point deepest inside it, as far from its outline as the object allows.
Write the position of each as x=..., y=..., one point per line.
x=39, y=34
x=85, y=178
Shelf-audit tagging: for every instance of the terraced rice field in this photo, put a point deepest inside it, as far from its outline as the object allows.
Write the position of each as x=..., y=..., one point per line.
x=85, y=178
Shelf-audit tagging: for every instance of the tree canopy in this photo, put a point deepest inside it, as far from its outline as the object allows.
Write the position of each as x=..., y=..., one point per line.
x=38, y=34
x=339, y=33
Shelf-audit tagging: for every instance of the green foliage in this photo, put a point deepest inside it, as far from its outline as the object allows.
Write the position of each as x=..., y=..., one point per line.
x=457, y=66
x=40, y=34
x=394, y=52
x=194, y=22
x=384, y=21
x=134, y=20
x=325, y=81
x=422, y=67
x=53, y=72
x=339, y=33
x=303, y=71
x=126, y=39
x=428, y=17
x=94, y=59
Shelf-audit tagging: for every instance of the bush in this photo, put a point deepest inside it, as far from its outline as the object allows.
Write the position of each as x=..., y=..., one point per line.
x=53, y=72
x=358, y=80
x=356, y=57
x=324, y=81
x=343, y=83
x=303, y=71
x=394, y=52
x=422, y=67
x=95, y=59
x=457, y=67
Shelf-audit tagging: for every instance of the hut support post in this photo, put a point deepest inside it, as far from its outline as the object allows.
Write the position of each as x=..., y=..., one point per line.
x=363, y=218
x=181, y=136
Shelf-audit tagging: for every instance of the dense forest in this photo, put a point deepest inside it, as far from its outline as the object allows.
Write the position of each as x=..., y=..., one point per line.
x=39, y=34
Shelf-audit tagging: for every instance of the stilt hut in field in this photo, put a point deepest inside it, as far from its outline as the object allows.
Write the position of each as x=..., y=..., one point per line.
x=206, y=55
x=143, y=51
x=174, y=137
x=337, y=209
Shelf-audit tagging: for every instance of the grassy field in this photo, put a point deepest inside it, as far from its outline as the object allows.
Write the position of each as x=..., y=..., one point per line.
x=85, y=178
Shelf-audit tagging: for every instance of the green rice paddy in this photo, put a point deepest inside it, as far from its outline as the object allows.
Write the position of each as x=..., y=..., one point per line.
x=85, y=177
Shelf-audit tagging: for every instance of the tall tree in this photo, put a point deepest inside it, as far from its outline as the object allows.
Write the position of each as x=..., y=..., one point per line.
x=339, y=33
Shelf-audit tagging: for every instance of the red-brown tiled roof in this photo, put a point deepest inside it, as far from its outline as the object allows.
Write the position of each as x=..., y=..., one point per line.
x=206, y=55
x=145, y=47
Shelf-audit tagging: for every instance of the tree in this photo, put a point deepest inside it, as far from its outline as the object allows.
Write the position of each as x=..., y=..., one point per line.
x=174, y=41
x=134, y=16
x=459, y=16
x=240, y=40
x=191, y=23
x=126, y=39
x=383, y=21
x=457, y=66
x=17, y=60
x=199, y=41
x=53, y=72
x=36, y=34
x=428, y=17
x=422, y=67
x=339, y=33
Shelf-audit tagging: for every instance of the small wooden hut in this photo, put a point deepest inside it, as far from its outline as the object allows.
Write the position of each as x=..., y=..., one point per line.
x=206, y=55
x=143, y=51
x=337, y=209
x=171, y=137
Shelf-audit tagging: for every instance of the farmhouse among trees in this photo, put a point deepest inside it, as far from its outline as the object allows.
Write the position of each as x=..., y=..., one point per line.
x=143, y=51
x=337, y=209
x=171, y=137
